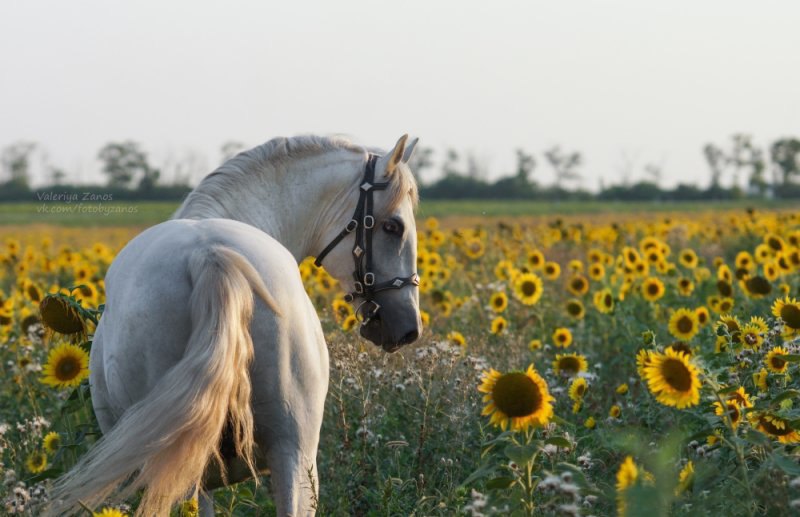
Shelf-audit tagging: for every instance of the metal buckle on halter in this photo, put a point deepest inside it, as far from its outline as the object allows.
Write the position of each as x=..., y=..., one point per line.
x=349, y=298
x=367, y=316
x=369, y=222
x=369, y=279
x=352, y=225
x=359, y=288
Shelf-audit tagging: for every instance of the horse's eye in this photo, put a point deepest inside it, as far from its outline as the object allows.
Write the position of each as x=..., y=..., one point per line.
x=392, y=226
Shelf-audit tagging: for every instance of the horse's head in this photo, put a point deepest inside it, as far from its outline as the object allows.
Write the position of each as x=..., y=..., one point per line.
x=377, y=257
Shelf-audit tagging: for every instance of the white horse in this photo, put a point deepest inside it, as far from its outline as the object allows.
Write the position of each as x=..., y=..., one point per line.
x=197, y=383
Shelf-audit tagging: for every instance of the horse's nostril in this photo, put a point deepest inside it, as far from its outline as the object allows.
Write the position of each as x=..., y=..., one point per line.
x=410, y=337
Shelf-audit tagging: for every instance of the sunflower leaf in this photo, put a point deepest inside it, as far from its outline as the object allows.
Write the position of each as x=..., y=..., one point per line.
x=785, y=395
x=785, y=464
x=499, y=483
x=559, y=441
x=522, y=454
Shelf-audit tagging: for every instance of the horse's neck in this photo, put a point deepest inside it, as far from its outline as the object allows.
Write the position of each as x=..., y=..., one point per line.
x=294, y=204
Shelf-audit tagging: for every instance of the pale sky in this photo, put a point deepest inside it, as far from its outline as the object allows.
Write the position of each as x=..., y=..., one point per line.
x=653, y=80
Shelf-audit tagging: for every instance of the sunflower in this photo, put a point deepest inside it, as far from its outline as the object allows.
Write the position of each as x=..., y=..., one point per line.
x=760, y=379
x=787, y=309
x=474, y=248
x=536, y=259
x=597, y=272
x=673, y=379
x=589, y=423
x=627, y=475
x=752, y=336
x=109, y=512
x=744, y=260
x=685, y=478
x=551, y=270
x=51, y=442
x=725, y=305
x=503, y=270
x=681, y=347
x=498, y=302
x=578, y=285
x=562, y=337
x=60, y=315
x=631, y=257
x=732, y=409
x=688, y=258
x=643, y=360
x=516, y=399
x=724, y=273
x=652, y=289
x=570, y=364
x=67, y=365
x=604, y=301
x=577, y=389
x=685, y=286
x=774, y=363
x=528, y=288
x=756, y=286
x=534, y=344
x=775, y=427
x=456, y=338
x=36, y=462
x=349, y=323
x=703, y=316
x=771, y=271
x=683, y=324
x=615, y=411
x=733, y=326
x=341, y=309
x=574, y=308
x=622, y=389
x=499, y=324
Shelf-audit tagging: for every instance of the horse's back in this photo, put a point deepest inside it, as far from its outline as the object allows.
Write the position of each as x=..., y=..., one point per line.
x=146, y=325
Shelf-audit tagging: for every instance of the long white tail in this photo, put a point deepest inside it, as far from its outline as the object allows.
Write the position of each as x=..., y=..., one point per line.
x=164, y=442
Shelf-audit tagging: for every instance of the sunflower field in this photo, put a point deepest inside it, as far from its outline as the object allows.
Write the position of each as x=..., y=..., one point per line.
x=630, y=364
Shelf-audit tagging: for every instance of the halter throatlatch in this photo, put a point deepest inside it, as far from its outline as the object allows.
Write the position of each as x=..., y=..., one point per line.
x=363, y=223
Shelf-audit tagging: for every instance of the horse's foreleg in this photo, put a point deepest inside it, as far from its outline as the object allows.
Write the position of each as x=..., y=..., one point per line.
x=295, y=484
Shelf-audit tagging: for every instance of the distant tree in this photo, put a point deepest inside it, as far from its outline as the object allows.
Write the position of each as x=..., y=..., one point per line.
x=717, y=162
x=564, y=164
x=526, y=163
x=16, y=160
x=124, y=161
x=421, y=159
x=785, y=155
x=57, y=175
x=230, y=149
x=450, y=164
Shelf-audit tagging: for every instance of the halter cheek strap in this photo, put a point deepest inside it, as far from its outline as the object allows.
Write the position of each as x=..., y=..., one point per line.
x=363, y=223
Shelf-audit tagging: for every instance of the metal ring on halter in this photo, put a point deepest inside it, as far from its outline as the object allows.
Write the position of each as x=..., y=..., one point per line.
x=369, y=279
x=369, y=222
x=364, y=318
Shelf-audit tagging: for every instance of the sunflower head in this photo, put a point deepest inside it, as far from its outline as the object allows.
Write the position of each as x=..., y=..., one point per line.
x=528, y=288
x=570, y=364
x=788, y=310
x=60, y=315
x=67, y=365
x=516, y=399
x=775, y=427
x=36, y=462
x=775, y=363
x=683, y=324
x=673, y=379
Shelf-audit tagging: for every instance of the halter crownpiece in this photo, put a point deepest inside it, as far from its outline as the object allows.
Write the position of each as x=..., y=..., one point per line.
x=363, y=223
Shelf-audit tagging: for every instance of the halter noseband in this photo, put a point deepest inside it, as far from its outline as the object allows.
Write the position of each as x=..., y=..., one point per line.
x=363, y=223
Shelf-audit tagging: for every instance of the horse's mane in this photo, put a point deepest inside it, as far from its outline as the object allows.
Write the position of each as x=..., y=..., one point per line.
x=278, y=152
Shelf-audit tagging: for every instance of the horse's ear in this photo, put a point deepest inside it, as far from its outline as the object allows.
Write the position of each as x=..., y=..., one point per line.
x=410, y=149
x=396, y=154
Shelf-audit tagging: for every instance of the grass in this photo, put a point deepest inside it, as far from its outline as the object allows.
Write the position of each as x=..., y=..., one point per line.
x=145, y=213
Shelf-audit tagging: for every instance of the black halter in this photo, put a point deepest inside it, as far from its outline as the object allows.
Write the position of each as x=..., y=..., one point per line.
x=363, y=223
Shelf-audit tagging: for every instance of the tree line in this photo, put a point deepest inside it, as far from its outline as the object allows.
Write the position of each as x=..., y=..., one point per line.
x=737, y=169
